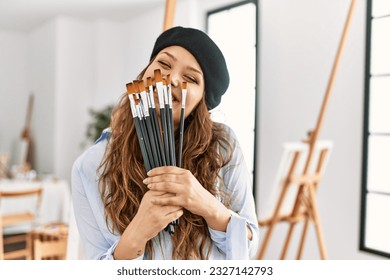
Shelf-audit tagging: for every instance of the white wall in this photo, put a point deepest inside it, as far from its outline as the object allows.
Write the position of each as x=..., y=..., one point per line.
x=75, y=84
x=41, y=61
x=13, y=89
x=110, y=64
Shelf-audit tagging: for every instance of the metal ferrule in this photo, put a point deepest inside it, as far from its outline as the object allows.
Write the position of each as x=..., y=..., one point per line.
x=145, y=104
x=151, y=97
x=139, y=111
x=165, y=95
x=183, y=98
x=160, y=93
x=132, y=106
x=169, y=90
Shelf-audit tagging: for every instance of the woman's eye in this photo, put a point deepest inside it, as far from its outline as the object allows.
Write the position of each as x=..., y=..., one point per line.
x=164, y=64
x=191, y=79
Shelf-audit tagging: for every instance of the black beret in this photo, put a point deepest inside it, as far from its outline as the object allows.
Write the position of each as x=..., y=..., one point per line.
x=206, y=52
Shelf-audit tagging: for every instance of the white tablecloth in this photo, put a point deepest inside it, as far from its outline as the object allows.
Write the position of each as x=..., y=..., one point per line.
x=55, y=205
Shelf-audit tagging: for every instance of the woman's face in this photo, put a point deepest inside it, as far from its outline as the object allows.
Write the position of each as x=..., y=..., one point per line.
x=182, y=67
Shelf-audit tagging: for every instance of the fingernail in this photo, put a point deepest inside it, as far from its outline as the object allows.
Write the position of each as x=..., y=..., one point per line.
x=149, y=173
x=145, y=181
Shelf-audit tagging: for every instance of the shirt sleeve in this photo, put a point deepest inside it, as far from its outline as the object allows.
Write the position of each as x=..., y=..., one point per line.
x=94, y=243
x=99, y=243
x=238, y=186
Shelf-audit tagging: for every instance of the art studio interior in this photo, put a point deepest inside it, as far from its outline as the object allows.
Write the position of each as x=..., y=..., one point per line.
x=306, y=100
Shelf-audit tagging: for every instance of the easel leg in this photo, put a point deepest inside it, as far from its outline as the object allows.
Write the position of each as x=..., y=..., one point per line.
x=275, y=216
x=303, y=237
x=287, y=242
x=272, y=224
x=317, y=224
x=295, y=211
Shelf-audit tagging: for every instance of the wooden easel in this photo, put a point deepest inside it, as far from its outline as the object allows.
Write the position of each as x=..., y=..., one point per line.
x=26, y=138
x=305, y=206
x=169, y=16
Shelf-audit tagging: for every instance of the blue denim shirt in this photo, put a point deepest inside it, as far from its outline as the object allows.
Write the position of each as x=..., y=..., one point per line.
x=99, y=242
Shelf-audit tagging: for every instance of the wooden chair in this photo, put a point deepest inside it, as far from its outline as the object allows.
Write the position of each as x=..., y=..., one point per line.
x=50, y=242
x=20, y=218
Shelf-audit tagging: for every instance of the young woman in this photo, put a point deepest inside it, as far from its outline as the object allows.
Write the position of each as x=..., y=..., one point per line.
x=121, y=211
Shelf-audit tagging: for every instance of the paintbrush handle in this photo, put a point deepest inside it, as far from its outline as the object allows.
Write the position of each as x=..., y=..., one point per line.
x=165, y=135
x=181, y=129
x=172, y=138
x=160, y=147
x=156, y=133
x=152, y=140
x=147, y=143
x=142, y=144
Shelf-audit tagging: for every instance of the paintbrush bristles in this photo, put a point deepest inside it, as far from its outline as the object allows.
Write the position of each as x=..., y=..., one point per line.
x=141, y=86
x=149, y=81
x=136, y=87
x=168, y=79
x=130, y=88
x=157, y=75
x=184, y=85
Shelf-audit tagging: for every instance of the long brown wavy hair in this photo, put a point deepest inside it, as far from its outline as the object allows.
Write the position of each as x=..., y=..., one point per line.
x=206, y=149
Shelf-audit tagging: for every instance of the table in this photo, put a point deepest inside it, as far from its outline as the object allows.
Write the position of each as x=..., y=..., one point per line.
x=55, y=205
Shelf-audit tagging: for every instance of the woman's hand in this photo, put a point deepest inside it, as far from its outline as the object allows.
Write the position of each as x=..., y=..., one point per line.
x=150, y=219
x=188, y=193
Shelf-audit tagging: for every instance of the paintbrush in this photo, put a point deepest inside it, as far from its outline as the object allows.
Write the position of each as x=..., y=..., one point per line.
x=168, y=127
x=183, y=106
x=141, y=117
x=148, y=123
x=171, y=135
x=153, y=115
x=155, y=131
x=130, y=92
x=161, y=96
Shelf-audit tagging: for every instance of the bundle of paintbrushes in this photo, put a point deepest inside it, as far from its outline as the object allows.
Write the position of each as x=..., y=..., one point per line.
x=156, y=134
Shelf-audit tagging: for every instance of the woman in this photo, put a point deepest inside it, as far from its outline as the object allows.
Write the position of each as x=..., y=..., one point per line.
x=121, y=211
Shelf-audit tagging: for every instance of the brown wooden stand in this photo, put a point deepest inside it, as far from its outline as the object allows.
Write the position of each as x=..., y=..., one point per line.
x=169, y=16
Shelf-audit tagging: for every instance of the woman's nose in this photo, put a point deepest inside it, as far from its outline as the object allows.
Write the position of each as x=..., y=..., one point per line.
x=175, y=79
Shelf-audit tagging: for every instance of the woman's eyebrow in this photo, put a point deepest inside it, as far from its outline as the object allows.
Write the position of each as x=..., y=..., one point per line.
x=170, y=55
x=195, y=70
x=188, y=67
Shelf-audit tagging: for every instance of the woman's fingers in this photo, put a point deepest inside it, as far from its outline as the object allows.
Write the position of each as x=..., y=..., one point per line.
x=151, y=218
x=171, y=209
x=161, y=178
x=164, y=201
x=167, y=187
x=163, y=170
x=174, y=215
